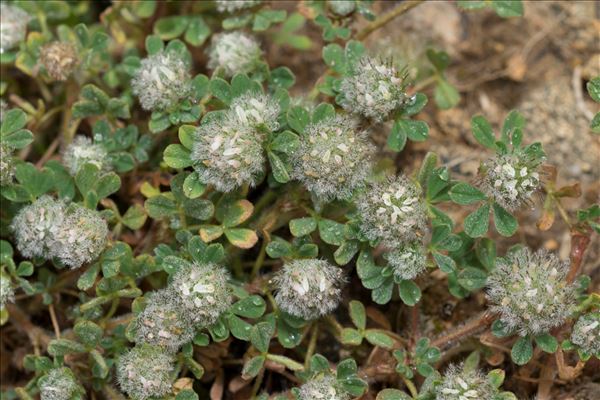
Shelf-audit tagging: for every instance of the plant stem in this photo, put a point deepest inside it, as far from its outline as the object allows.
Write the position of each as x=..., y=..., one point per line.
x=411, y=386
x=470, y=328
x=54, y=320
x=260, y=259
x=387, y=17
x=312, y=344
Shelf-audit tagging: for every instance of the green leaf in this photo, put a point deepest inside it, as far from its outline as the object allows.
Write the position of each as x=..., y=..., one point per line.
x=192, y=186
x=88, y=332
x=302, y=226
x=501, y=329
x=34, y=181
x=595, y=124
x=12, y=121
x=168, y=28
x=346, y=251
x=253, y=366
x=446, y=264
x=486, y=253
x=17, y=139
x=593, y=88
x=285, y=142
x=351, y=336
x=346, y=369
x=439, y=59
x=358, y=314
x=135, y=217
x=496, y=377
x=377, y=338
x=198, y=208
x=160, y=206
x=278, y=248
x=333, y=55
x=282, y=77
x=242, y=238
x=331, y=232
x=417, y=131
x=86, y=178
x=397, y=137
x=464, y=194
x=25, y=268
x=278, y=167
x=547, y=342
x=261, y=335
x=506, y=224
x=108, y=184
x=250, y=307
x=221, y=90
x=445, y=95
x=409, y=292
x=472, y=278
x=522, y=351
x=62, y=347
x=477, y=223
x=177, y=156
x=514, y=121
x=237, y=213
x=197, y=31
x=416, y=105
x=186, y=136
x=298, y=118
x=508, y=8
x=482, y=130
x=392, y=394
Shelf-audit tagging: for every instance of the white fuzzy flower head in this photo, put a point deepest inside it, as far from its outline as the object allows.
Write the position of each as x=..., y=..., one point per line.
x=333, y=158
x=228, y=153
x=145, y=372
x=234, y=53
x=256, y=110
x=511, y=179
x=82, y=151
x=461, y=384
x=325, y=387
x=60, y=59
x=408, y=261
x=80, y=238
x=203, y=292
x=231, y=6
x=392, y=211
x=373, y=90
x=60, y=384
x=7, y=292
x=309, y=288
x=7, y=165
x=529, y=291
x=586, y=333
x=13, y=26
x=161, y=81
x=163, y=322
x=342, y=7
x=36, y=225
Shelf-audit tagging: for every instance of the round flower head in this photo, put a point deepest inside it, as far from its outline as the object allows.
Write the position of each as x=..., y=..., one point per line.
x=586, y=333
x=230, y=6
x=408, y=261
x=325, y=387
x=392, y=211
x=13, y=26
x=373, y=90
x=80, y=238
x=202, y=291
x=228, y=153
x=81, y=151
x=461, y=384
x=309, y=288
x=161, y=81
x=529, y=291
x=60, y=59
x=511, y=179
x=163, y=322
x=7, y=165
x=234, y=53
x=256, y=110
x=7, y=293
x=60, y=384
x=145, y=371
x=342, y=7
x=333, y=158
x=36, y=225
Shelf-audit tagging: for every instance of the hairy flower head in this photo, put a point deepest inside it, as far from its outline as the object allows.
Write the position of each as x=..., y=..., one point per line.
x=309, y=288
x=60, y=384
x=161, y=81
x=324, y=387
x=234, y=53
x=202, y=291
x=511, y=179
x=342, y=7
x=530, y=292
x=373, y=90
x=231, y=6
x=7, y=165
x=461, y=384
x=163, y=322
x=13, y=26
x=80, y=238
x=408, y=260
x=586, y=333
x=82, y=151
x=35, y=226
x=333, y=158
x=228, y=153
x=7, y=293
x=256, y=110
x=392, y=211
x=60, y=59
x=145, y=371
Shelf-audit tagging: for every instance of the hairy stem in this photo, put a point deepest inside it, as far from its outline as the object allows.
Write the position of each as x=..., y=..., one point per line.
x=387, y=17
x=470, y=328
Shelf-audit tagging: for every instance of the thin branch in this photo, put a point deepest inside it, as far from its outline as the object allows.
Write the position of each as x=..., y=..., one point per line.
x=470, y=328
x=387, y=17
x=54, y=320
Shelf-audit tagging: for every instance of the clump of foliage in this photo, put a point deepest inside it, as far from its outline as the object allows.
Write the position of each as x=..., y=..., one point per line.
x=182, y=218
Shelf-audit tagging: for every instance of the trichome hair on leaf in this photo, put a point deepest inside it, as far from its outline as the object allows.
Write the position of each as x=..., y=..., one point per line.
x=408, y=260
x=145, y=371
x=60, y=384
x=82, y=151
x=257, y=110
x=234, y=53
x=586, y=333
